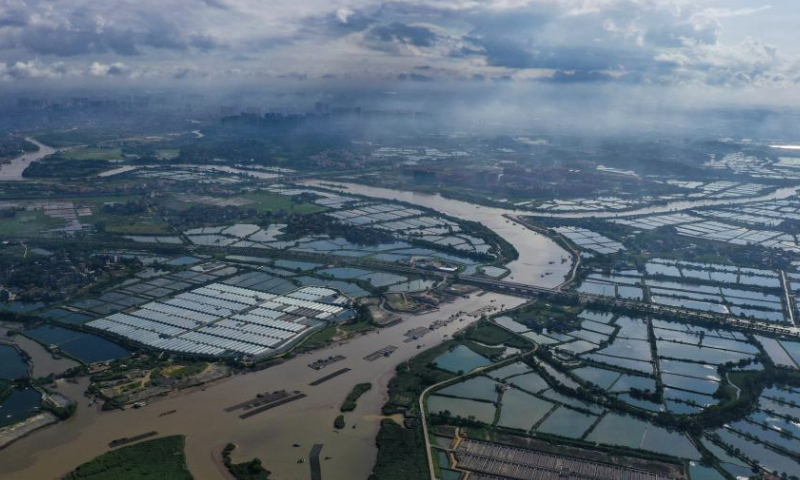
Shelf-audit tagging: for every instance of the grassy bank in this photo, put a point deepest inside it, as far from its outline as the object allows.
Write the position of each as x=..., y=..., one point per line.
x=349, y=403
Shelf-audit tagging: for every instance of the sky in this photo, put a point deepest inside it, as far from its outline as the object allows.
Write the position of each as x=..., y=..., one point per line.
x=733, y=48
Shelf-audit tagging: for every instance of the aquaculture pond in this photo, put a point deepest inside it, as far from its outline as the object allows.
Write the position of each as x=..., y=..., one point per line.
x=637, y=365
x=83, y=346
x=459, y=407
x=577, y=347
x=615, y=429
x=768, y=457
x=699, y=472
x=661, y=440
x=627, y=382
x=567, y=423
x=640, y=403
x=689, y=397
x=20, y=405
x=511, y=324
x=627, y=348
x=697, y=370
x=539, y=338
x=66, y=316
x=12, y=363
x=479, y=388
x=461, y=359
x=516, y=368
x=730, y=464
x=530, y=382
x=448, y=474
x=598, y=376
x=707, y=387
x=522, y=411
x=441, y=458
x=700, y=354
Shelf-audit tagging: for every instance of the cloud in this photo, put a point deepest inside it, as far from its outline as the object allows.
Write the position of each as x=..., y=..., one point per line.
x=116, y=69
x=399, y=33
x=579, y=76
x=336, y=23
x=67, y=29
x=415, y=77
x=13, y=17
x=204, y=43
x=31, y=70
x=648, y=42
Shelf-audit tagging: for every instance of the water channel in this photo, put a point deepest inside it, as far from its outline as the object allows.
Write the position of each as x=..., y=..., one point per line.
x=12, y=171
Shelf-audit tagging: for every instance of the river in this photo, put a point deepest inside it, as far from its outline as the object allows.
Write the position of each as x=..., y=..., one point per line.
x=53, y=451
x=542, y=262
x=199, y=415
x=486, y=215
x=12, y=171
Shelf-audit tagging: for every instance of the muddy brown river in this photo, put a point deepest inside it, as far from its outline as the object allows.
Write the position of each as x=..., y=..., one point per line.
x=52, y=452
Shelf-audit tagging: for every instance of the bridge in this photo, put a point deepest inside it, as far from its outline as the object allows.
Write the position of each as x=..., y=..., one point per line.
x=485, y=283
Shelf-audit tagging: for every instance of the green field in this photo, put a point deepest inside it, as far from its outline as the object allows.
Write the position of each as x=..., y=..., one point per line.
x=188, y=370
x=274, y=202
x=318, y=339
x=159, y=459
x=93, y=154
x=168, y=153
x=28, y=223
x=140, y=224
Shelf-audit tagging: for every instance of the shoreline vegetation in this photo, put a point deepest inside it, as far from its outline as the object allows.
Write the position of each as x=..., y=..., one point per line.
x=159, y=459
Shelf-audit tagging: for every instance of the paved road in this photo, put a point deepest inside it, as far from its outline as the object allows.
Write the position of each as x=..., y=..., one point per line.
x=502, y=286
